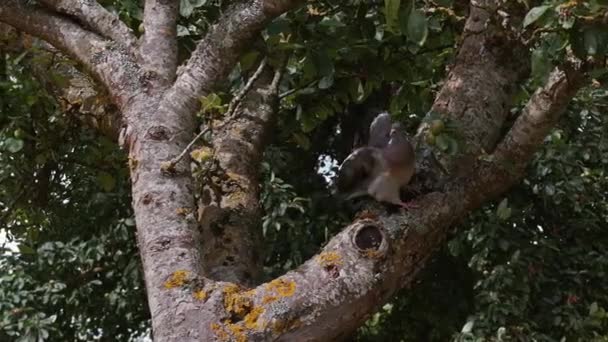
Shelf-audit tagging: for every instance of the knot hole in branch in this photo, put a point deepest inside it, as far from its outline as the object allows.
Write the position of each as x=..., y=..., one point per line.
x=370, y=239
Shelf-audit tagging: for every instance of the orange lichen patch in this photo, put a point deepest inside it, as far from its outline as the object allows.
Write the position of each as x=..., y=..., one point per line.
x=177, y=279
x=183, y=211
x=572, y=3
x=236, y=302
x=237, y=332
x=240, y=179
x=280, y=326
x=252, y=318
x=372, y=253
x=200, y=294
x=329, y=259
x=366, y=214
x=219, y=332
x=269, y=299
x=284, y=288
x=132, y=162
x=236, y=197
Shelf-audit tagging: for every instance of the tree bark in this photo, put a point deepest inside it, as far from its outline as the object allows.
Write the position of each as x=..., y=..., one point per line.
x=229, y=212
x=330, y=295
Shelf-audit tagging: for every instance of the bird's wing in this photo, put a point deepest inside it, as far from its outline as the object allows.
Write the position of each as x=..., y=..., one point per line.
x=357, y=170
x=380, y=130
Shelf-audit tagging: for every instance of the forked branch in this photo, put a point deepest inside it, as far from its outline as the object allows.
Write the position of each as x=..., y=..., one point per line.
x=92, y=14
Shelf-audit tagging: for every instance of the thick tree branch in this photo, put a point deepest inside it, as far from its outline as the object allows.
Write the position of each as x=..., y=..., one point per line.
x=107, y=61
x=91, y=14
x=159, y=44
x=540, y=114
x=229, y=212
x=217, y=53
x=488, y=60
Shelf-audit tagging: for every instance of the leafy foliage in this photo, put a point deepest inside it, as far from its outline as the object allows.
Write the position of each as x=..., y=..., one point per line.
x=66, y=210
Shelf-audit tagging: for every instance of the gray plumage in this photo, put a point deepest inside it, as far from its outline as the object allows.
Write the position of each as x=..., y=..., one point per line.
x=383, y=167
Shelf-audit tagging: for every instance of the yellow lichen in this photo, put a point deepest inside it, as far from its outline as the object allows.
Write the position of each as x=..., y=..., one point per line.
x=200, y=294
x=236, y=197
x=236, y=302
x=284, y=288
x=372, y=253
x=252, y=318
x=269, y=299
x=329, y=259
x=132, y=163
x=237, y=332
x=280, y=326
x=183, y=211
x=220, y=333
x=201, y=154
x=177, y=279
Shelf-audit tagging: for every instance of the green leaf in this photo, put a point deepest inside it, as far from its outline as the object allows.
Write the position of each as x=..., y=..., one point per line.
x=13, y=145
x=277, y=26
x=568, y=22
x=591, y=42
x=503, y=211
x=541, y=65
x=593, y=308
x=25, y=249
x=106, y=181
x=182, y=31
x=452, y=145
x=391, y=11
x=534, y=14
x=186, y=7
x=399, y=100
x=323, y=63
x=442, y=142
x=211, y=102
x=248, y=60
x=417, y=27
x=302, y=140
x=326, y=82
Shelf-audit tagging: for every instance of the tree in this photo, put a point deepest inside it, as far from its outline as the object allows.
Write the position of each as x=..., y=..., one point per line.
x=267, y=87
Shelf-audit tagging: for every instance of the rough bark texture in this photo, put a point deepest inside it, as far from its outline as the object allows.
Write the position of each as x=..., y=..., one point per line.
x=91, y=14
x=332, y=294
x=229, y=212
x=159, y=46
x=106, y=60
x=479, y=88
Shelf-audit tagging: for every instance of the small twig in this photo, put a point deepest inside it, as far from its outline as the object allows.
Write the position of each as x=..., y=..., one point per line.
x=274, y=85
x=170, y=165
x=232, y=108
x=236, y=101
x=294, y=90
x=273, y=88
